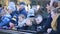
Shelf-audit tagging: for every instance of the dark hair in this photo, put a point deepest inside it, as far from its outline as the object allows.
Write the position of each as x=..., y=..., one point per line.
x=55, y=4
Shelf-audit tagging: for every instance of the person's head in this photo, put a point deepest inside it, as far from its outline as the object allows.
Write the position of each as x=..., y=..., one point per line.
x=38, y=19
x=9, y=10
x=55, y=12
x=21, y=5
x=55, y=4
x=12, y=6
x=29, y=22
x=21, y=17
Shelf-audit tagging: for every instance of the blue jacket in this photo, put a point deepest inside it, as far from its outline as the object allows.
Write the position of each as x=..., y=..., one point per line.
x=5, y=20
x=23, y=11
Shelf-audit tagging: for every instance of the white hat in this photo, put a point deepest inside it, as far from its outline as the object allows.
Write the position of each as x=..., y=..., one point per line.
x=30, y=13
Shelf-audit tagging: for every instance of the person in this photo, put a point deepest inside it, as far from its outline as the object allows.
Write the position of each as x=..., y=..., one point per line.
x=49, y=18
x=54, y=5
x=21, y=20
x=30, y=24
x=51, y=2
x=40, y=14
x=6, y=17
x=20, y=9
x=55, y=23
x=12, y=6
x=40, y=24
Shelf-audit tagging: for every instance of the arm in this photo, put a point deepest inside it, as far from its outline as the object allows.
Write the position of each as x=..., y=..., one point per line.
x=4, y=22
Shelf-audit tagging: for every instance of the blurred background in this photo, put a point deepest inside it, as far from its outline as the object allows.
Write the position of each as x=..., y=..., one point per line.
x=29, y=16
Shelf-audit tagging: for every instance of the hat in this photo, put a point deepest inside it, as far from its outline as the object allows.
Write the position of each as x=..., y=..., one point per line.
x=22, y=3
x=31, y=13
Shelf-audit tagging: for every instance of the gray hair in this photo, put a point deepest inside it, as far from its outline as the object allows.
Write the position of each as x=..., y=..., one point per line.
x=56, y=10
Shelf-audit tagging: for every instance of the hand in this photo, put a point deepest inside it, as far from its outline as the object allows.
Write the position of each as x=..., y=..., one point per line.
x=49, y=30
x=11, y=25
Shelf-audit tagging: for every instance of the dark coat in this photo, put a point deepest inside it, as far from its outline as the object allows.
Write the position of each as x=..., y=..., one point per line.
x=48, y=22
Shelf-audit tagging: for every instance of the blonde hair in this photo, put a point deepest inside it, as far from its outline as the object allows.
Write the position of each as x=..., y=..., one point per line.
x=54, y=22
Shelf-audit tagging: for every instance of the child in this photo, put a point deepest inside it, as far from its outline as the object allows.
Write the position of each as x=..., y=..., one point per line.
x=30, y=24
x=21, y=20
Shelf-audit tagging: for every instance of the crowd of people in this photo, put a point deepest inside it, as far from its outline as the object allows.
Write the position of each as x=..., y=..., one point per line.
x=17, y=18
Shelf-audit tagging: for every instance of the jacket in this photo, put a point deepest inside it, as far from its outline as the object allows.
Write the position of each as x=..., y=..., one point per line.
x=5, y=20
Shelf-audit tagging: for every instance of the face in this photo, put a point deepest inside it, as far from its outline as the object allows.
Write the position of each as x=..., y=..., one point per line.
x=20, y=7
x=52, y=14
x=21, y=18
x=28, y=22
x=38, y=20
x=9, y=11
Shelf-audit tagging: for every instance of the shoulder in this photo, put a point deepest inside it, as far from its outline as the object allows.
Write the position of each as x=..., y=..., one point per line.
x=8, y=15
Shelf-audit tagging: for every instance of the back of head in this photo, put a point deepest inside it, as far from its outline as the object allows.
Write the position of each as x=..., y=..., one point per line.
x=56, y=10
